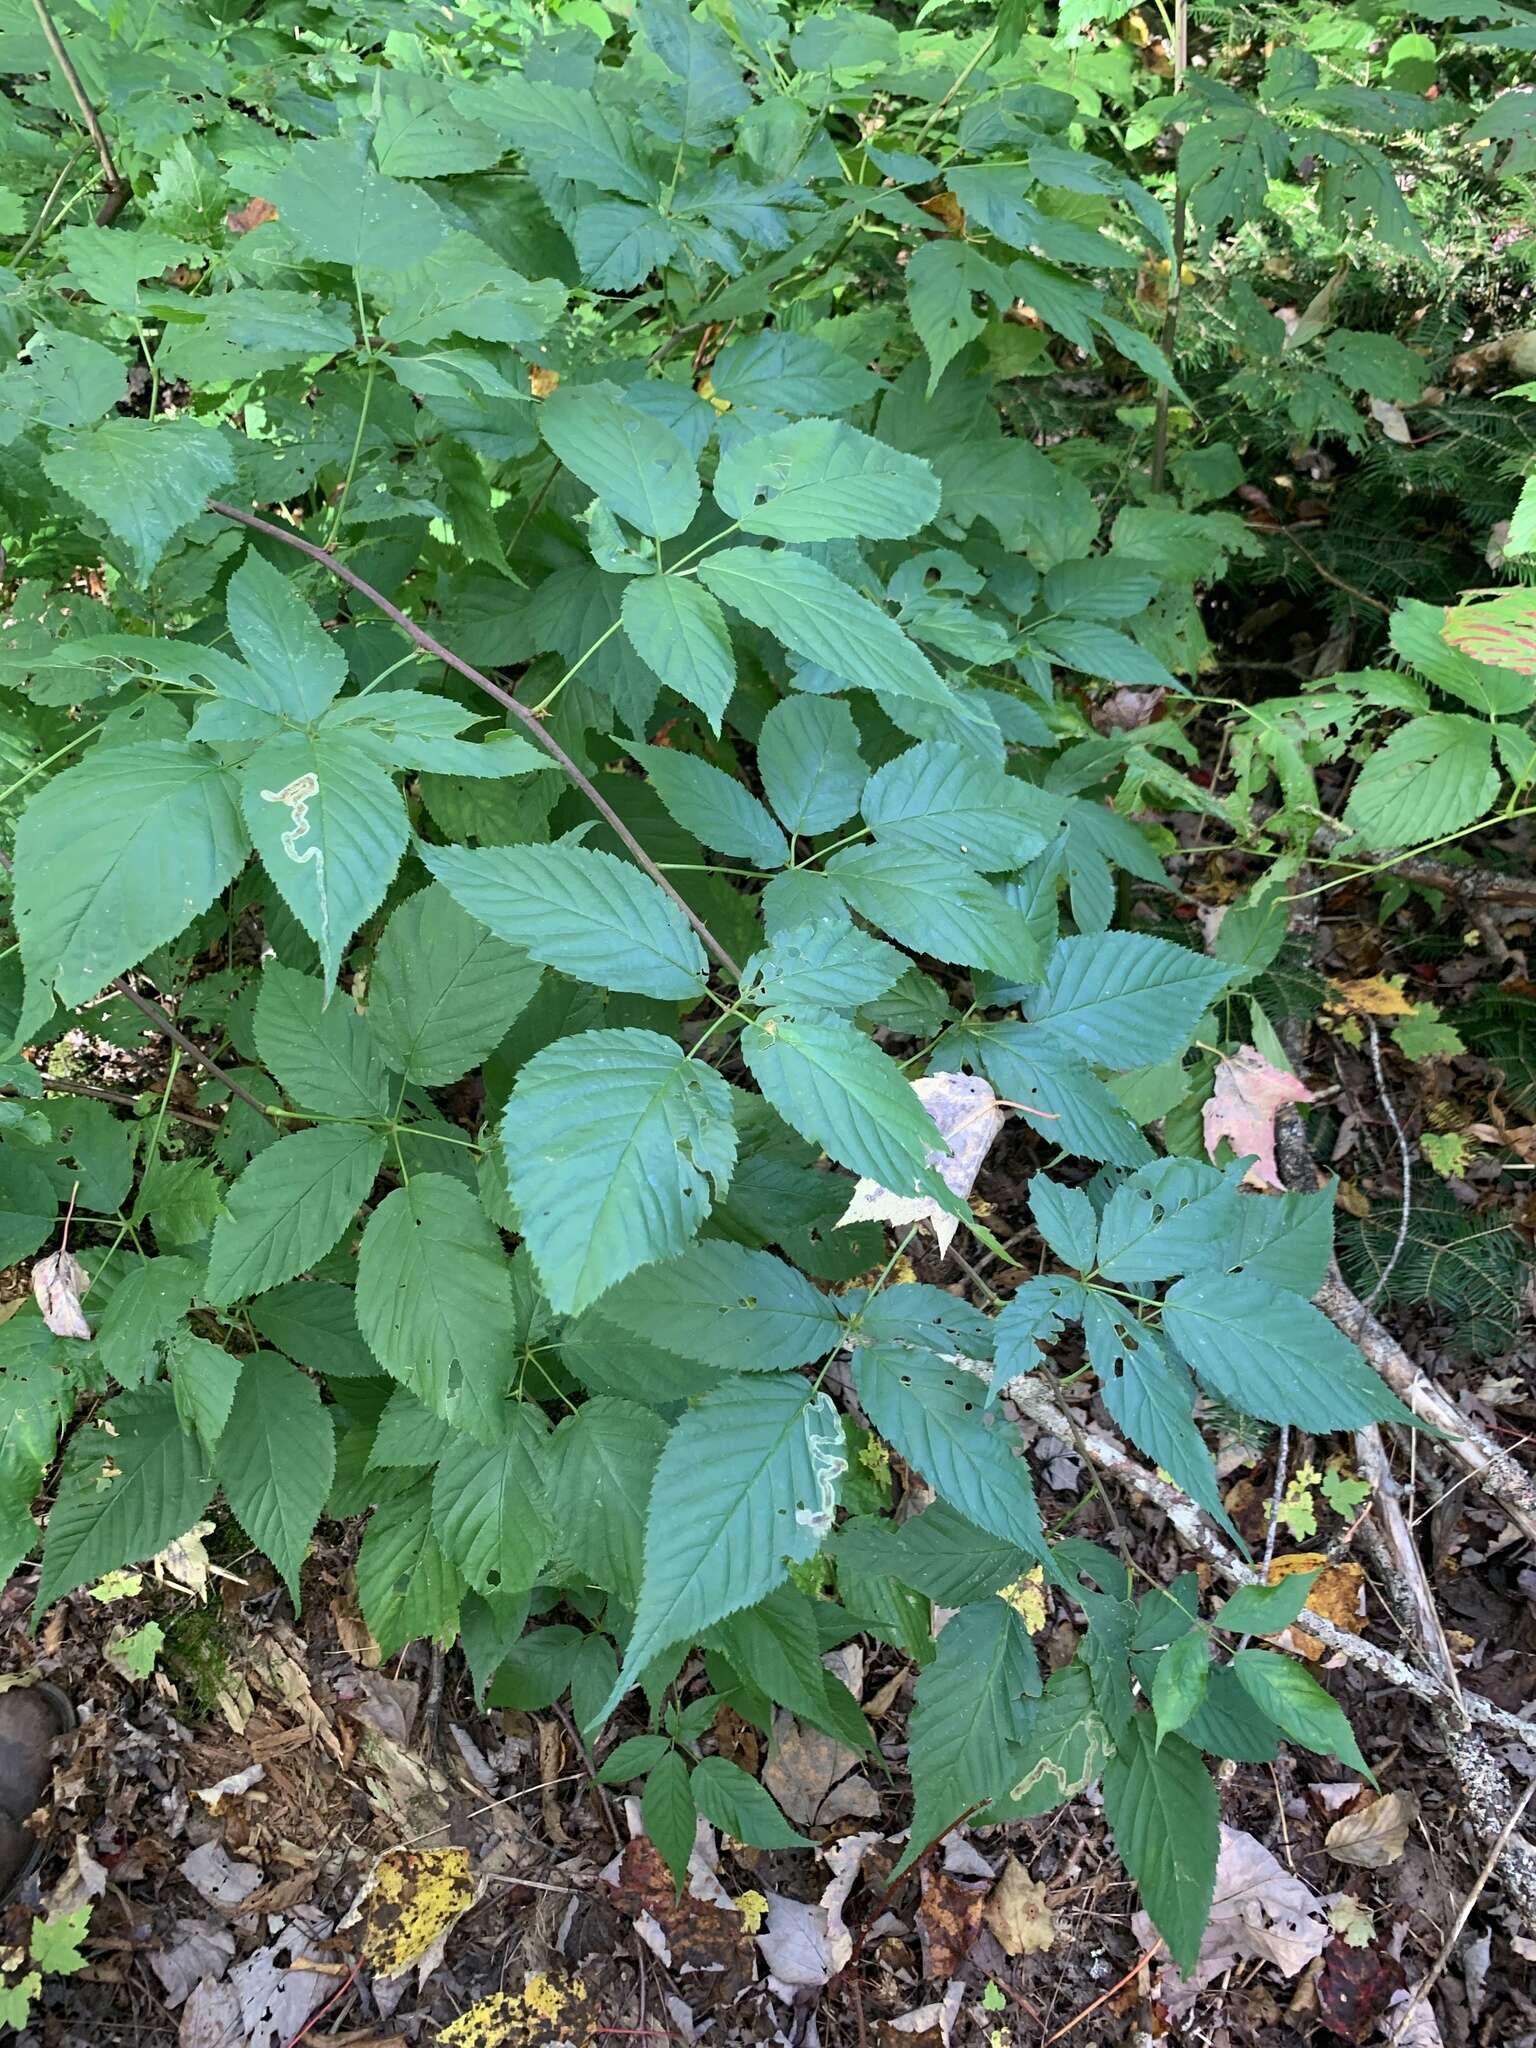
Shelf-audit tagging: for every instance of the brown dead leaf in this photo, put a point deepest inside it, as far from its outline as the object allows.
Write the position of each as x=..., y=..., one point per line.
x=700, y=1934
x=1248, y=1096
x=1375, y=1836
x=946, y=209
x=967, y=1117
x=57, y=1284
x=1017, y=1913
x=543, y=2011
x=949, y=1918
x=542, y=381
x=254, y=214
x=410, y=1900
x=1374, y=996
x=1259, y=1910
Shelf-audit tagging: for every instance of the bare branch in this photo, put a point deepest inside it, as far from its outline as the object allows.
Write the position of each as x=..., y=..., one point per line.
x=118, y=190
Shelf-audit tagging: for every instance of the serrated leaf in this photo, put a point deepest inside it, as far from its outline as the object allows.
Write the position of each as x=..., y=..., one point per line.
x=338, y=208
x=721, y=1302
x=668, y=1813
x=117, y=855
x=1079, y=1111
x=1266, y=1610
x=275, y=1459
x=935, y=1414
x=784, y=371
x=405, y=1585
x=640, y=469
x=601, y=1465
x=808, y=758
x=679, y=632
x=444, y=990
x=968, y=1714
x=1063, y=1752
x=322, y=1053
x=490, y=1507
x=586, y=913
x=746, y=1486
x=295, y=666
x=1274, y=1355
x=824, y=480
x=289, y=1207
x=314, y=1322
x=434, y=1302
x=617, y=1147
x=122, y=1496
x=1124, y=998
x=930, y=904
x=736, y=1803
x=1163, y=1810
x=713, y=805
x=834, y=1086
x=143, y=479
x=823, y=620
x=1150, y=1397
x=1180, y=1681
x=941, y=799
x=330, y=827
x=1292, y=1698
x=1430, y=778
x=824, y=965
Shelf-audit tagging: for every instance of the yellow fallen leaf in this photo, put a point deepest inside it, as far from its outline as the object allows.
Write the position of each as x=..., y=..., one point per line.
x=1017, y=1913
x=412, y=1897
x=1376, y=996
x=542, y=2011
x=753, y=1908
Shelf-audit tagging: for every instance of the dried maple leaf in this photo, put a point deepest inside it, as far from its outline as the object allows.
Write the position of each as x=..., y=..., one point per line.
x=1248, y=1096
x=968, y=1119
x=58, y=1283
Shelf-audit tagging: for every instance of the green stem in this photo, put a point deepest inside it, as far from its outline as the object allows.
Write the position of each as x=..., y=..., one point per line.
x=983, y=50
x=576, y=666
x=339, y=509
x=58, y=754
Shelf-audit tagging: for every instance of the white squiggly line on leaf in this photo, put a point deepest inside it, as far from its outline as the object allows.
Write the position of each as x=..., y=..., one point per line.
x=295, y=796
x=829, y=1461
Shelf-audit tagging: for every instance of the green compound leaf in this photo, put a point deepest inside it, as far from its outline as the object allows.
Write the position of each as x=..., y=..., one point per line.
x=617, y=1148
x=1124, y=999
x=289, y=1207
x=490, y=1507
x=823, y=480
x=737, y=1804
x=296, y=667
x=434, y=1302
x=444, y=991
x=668, y=1811
x=330, y=827
x=586, y=913
x=679, y=632
x=601, y=1465
x=1292, y=1698
x=275, y=1460
x=746, y=1486
x=1274, y=1355
x=119, y=854
x=322, y=1053
x=713, y=805
x=1163, y=1809
x=723, y=1302
x=808, y=757
x=123, y=1497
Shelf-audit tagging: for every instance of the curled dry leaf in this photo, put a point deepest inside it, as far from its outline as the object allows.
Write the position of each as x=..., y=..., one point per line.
x=1248, y=1096
x=58, y=1283
x=1375, y=1836
x=969, y=1120
x=1017, y=1913
x=254, y=214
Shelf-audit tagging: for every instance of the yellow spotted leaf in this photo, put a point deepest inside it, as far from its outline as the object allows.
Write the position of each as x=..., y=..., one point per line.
x=411, y=1898
x=542, y=2011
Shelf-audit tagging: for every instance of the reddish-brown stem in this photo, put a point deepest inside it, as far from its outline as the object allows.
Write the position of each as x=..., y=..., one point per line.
x=116, y=185
x=430, y=644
